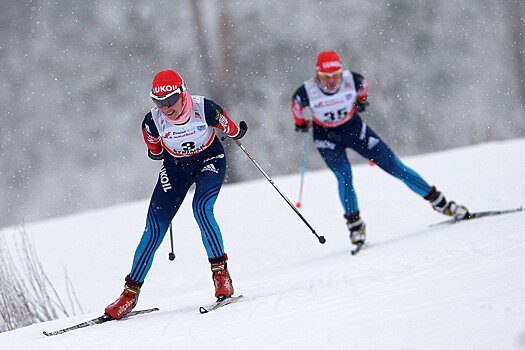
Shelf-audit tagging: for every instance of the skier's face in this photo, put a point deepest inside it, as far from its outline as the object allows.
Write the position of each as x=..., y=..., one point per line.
x=172, y=111
x=329, y=82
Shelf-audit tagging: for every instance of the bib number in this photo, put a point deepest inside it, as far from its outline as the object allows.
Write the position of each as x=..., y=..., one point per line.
x=333, y=116
x=188, y=146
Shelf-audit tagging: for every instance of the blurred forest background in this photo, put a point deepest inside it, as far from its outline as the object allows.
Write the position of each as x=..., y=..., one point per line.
x=75, y=77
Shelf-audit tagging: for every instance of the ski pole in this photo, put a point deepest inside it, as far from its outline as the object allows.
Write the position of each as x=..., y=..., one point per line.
x=321, y=239
x=171, y=256
x=303, y=167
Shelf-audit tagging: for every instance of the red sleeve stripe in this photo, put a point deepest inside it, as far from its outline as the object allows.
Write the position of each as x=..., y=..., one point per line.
x=362, y=94
x=152, y=142
x=225, y=124
x=297, y=111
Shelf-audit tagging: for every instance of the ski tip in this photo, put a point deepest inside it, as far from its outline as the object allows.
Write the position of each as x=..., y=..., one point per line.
x=219, y=303
x=49, y=334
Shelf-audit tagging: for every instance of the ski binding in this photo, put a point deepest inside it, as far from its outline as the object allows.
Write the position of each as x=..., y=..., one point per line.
x=221, y=301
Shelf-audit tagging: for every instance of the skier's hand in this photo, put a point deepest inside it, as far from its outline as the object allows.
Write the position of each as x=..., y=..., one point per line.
x=302, y=128
x=155, y=156
x=243, y=127
x=361, y=105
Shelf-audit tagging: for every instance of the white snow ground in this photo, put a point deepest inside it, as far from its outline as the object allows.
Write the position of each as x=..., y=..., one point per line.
x=416, y=287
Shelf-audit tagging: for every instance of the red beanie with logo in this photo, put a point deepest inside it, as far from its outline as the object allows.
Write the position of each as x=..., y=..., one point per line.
x=166, y=82
x=328, y=62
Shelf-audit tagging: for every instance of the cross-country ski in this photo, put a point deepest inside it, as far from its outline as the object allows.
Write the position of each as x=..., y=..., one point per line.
x=98, y=320
x=479, y=214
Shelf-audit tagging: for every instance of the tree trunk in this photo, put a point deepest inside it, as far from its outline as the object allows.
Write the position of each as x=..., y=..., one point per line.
x=209, y=72
x=516, y=10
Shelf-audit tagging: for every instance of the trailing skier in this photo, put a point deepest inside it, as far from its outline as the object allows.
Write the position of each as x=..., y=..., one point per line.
x=335, y=98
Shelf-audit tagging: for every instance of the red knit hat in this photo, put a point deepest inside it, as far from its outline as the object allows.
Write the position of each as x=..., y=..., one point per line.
x=328, y=62
x=167, y=82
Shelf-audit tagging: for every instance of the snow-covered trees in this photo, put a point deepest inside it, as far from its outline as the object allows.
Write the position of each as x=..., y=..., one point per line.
x=75, y=76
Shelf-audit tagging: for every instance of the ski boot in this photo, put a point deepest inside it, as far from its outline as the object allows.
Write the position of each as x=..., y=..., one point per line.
x=127, y=300
x=450, y=208
x=357, y=228
x=221, y=277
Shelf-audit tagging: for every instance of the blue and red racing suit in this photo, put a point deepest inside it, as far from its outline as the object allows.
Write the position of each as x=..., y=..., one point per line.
x=337, y=126
x=192, y=154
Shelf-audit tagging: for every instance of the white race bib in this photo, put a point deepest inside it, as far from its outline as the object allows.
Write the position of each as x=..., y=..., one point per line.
x=188, y=139
x=332, y=110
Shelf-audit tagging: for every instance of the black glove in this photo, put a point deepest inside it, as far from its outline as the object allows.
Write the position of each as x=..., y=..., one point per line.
x=243, y=127
x=302, y=128
x=155, y=156
x=361, y=106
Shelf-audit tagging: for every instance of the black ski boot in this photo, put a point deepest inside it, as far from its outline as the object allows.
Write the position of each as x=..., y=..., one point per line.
x=357, y=228
x=450, y=208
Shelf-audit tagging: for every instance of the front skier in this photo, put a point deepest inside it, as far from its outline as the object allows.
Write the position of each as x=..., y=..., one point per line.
x=180, y=130
x=335, y=98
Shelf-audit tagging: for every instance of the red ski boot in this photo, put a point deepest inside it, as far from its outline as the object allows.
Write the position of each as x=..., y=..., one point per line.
x=127, y=300
x=221, y=277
